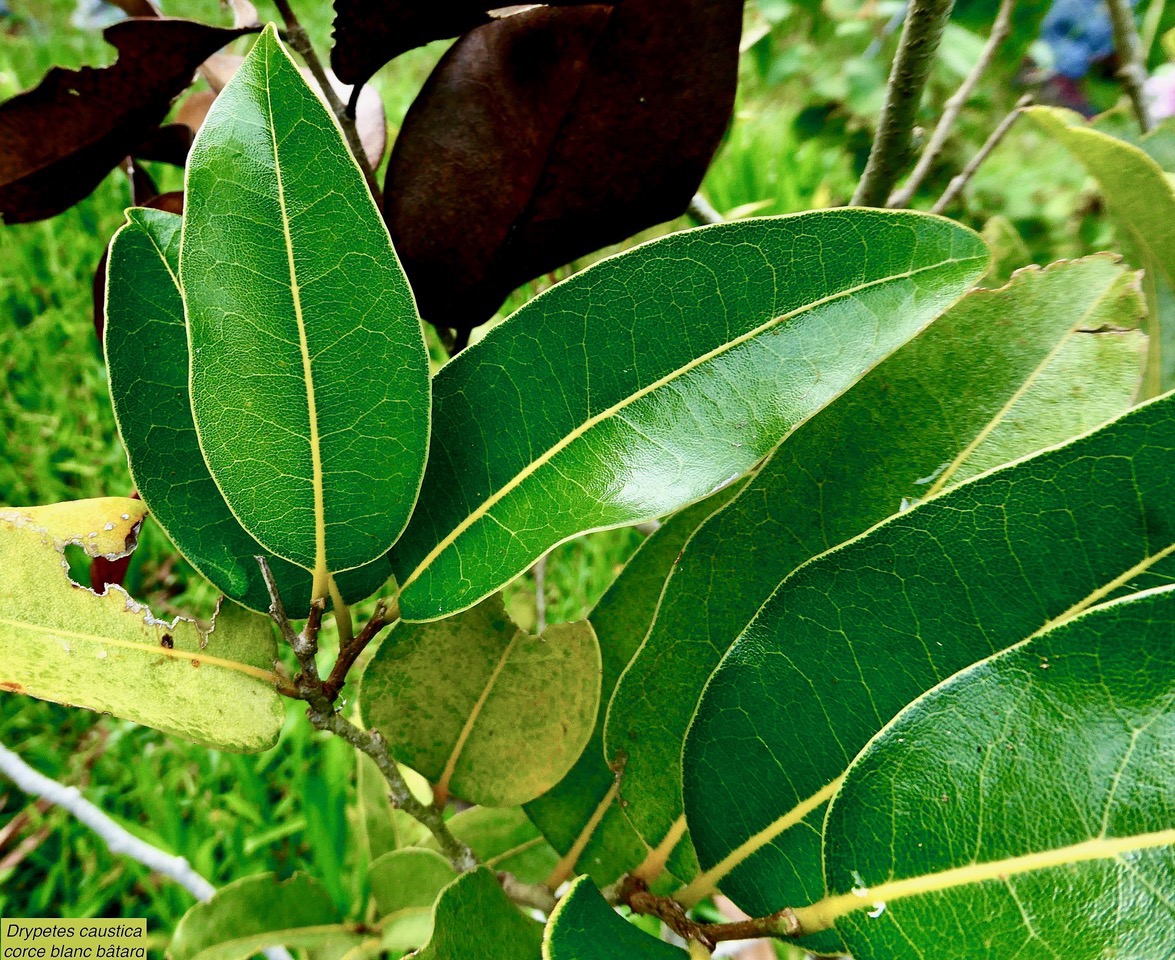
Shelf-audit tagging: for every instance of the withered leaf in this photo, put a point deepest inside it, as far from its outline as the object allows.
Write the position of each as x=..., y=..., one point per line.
x=62, y=137
x=544, y=136
x=370, y=33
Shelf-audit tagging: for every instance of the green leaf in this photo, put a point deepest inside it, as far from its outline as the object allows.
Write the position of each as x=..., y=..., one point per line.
x=921, y=420
x=579, y=815
x=406, y=884
x=309, y=375
x=383, y=828
x=474, y=918
x=585, y=927
x=504, y=839
x=62, y=642
x=652, y=378
x=851, y=638
x=248, y=915
x=147, y=358
x=1023, y=807
x=482, y=709
x=1143, y=204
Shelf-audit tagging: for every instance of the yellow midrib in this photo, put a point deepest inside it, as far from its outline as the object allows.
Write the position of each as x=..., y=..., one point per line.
x=442, y=787
x=321, y=584
x=567, y=862
x=153, y=649
x=823, y=914
x=540, y=461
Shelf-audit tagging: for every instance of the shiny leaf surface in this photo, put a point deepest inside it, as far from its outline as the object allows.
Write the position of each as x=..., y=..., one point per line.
x=585, y=927
x=305, y=347
x=920, y=421
x=650, y=379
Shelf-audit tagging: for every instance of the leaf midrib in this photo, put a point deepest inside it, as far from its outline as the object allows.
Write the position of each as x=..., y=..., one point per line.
x=498, y=495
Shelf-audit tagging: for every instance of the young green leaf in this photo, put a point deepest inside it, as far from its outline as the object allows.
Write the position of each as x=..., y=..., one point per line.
x=579, y=815
x=654, y=377
x=473, y=918
x=1052, y=355
x=503, y=838
x=61, y=642
x=309, y=376
x=482, y=709
x=1022, y=807
x=544, y=136
x=249, y=915
x=1143, y=203
x=405, y=885
x=585, y=927
x=63, y=137
x=147, y=358
x=852, y=637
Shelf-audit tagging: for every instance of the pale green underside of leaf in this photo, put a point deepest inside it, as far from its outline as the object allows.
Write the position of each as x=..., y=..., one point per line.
x=585, y=927
x=478, y=706
x=62, y=642
x=852, y=637
x=648, y=380
x=257, y=912
x=405, y=885
x=1024, y=807
x=381, y=827
x=1030, y=378
x=570, y=813
x=474, y=918
x=1140, y=196
x=309, y=374
x=503, y=838
x=147, y=359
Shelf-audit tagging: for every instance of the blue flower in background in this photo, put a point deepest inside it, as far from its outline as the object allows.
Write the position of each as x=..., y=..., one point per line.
x=1078, y=32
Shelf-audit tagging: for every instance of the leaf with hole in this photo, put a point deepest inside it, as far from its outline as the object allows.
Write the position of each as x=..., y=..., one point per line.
x=61, y=642
x=1073, y=733
x=65, y=135
x=147, y=359
x=544, y=136
x=655, y=377
x=305, y=348
x=485, y=711
x=852, y=637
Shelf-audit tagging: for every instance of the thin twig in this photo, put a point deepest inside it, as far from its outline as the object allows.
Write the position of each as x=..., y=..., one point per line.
x=533, y=895
x=350, y=652
x=955, y=187
x=954, y=106
x=921, y=33
x=1131, y=69
x=297, y=38
x=703, y=211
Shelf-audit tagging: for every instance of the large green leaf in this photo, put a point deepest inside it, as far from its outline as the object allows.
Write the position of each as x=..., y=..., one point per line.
x=852, y=637
x=473, y=918
x=579, y=815
x=309, y=374
x=585, y=927
x=1032, y=375
x=1141, y=198
x=1023, y=808
x=257, y=912
x=654, y=377
x=482, y=709
x=147, y=358
x=61, y=642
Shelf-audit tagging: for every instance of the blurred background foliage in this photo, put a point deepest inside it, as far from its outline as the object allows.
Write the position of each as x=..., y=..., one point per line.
x=812, y=81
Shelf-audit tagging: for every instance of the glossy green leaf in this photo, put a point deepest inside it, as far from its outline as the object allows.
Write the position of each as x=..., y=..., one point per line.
x=381, y=827
x=921, y=420
x=309, y=375
x=405, y=885
x=1141, y=198
x=485, y=711
x=474, y=918
x=503, y=838
x=1024, y=807
x=585, y=927
x=147, y=359
x=652, y=378
x=851, y=638
x=257, y=912
x=62, y=642
x=579, y=815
